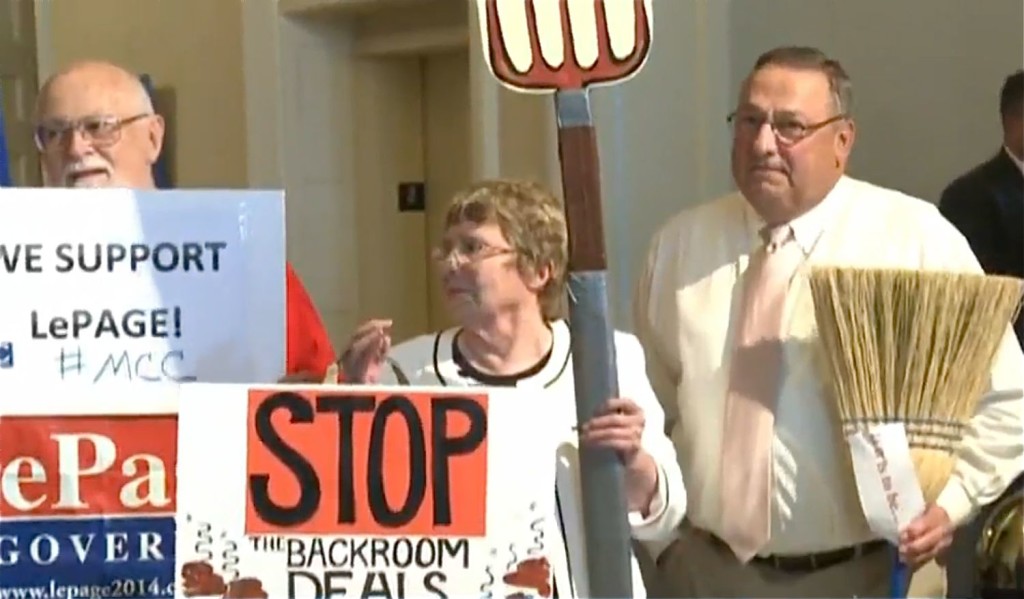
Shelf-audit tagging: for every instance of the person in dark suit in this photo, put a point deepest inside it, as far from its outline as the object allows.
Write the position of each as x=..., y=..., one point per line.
x=987, y=203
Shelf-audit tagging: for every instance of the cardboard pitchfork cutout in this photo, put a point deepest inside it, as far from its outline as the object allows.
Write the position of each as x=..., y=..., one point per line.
x=563, y=47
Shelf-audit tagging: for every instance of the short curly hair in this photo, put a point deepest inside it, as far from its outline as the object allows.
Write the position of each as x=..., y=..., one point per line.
x=531, y=219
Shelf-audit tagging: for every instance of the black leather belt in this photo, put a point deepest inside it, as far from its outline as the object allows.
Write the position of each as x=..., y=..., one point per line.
x=811, y=561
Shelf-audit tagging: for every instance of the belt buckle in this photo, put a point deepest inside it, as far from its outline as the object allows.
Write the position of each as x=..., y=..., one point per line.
x=804, y=562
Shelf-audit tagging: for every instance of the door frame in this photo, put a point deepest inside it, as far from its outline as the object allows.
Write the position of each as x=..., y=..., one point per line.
x=44, y=40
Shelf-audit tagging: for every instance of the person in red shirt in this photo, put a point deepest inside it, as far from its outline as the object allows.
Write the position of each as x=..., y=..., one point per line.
x=309, y=350
x=96, y=127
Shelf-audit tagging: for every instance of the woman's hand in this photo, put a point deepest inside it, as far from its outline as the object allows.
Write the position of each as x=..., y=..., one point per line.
x=366, y=352
x=300, y=378
x=619, y=426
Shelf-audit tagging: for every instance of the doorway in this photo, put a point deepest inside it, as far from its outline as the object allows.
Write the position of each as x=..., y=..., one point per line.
x=412, y=130
x=446, y=155
x=19, y=83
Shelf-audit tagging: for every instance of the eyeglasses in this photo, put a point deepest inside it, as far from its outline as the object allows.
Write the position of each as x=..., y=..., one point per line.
x=787, y=129
x=467, y=250
x=99, y=131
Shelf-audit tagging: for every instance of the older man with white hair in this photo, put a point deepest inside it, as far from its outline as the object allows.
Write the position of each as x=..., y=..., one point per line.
x=96, y=127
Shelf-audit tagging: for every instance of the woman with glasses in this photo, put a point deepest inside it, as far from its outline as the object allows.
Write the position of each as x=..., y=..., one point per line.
x=503, y=264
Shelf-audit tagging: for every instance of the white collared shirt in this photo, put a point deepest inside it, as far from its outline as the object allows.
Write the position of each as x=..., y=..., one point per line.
x=684, y=306
x=1017, y=161
x=430, y=360
x=808, y=227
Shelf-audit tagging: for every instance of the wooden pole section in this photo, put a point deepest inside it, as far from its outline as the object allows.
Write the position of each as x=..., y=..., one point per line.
x=593, y=347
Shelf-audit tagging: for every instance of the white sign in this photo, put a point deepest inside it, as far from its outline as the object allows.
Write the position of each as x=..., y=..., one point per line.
x=890, y=494
x=365, y=492
x=141, y=286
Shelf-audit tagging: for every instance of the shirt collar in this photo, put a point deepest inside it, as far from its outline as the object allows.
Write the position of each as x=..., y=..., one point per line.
x=807, y=227
x=1017, y=161
x=450, y=373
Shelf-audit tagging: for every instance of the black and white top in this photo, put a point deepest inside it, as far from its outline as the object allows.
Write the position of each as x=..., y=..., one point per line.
x=435, y=360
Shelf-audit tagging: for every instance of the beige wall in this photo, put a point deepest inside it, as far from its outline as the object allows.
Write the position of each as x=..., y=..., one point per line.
x=298, y=106
x=193, y=51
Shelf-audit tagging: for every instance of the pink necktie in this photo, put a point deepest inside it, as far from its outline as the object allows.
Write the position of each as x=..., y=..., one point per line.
x=753, y=392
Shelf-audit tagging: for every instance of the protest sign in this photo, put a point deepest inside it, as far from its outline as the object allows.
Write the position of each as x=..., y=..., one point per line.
x=87, y=492
x=120, y=285
x=364, y=492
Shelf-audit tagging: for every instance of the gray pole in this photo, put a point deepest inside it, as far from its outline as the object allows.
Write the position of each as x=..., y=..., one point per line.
x=593, y=348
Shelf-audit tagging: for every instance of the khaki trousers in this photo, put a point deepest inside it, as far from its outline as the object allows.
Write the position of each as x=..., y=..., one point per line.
x=696, y=566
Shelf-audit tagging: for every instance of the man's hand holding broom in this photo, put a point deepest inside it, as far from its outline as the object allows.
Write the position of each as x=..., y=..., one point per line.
x=926, y=537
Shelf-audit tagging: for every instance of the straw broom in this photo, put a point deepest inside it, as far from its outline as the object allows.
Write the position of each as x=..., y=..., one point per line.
x=913, y=347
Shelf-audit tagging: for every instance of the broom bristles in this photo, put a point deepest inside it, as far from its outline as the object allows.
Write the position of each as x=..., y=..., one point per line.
x=914, y=347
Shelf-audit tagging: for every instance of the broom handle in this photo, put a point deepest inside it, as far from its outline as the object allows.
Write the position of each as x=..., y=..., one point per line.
x=605, y=525
x=898, y=580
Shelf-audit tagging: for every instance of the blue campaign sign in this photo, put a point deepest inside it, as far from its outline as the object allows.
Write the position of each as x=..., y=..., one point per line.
x=6, y=354
x=97, y=519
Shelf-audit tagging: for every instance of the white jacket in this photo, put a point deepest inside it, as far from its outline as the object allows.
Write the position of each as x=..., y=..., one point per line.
x=428, y=360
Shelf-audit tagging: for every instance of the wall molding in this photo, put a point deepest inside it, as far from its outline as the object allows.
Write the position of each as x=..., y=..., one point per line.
x=45, y=61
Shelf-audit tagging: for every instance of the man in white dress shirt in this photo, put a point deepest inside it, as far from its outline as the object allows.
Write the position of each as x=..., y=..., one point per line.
x=792, y=137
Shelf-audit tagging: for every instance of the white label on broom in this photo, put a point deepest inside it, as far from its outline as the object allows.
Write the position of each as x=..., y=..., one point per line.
x=886, y=481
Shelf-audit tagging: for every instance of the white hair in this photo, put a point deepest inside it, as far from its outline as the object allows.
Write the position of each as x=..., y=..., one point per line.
x=144, y=101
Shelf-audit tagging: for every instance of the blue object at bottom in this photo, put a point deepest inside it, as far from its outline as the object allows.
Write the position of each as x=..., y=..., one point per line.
x=898, y=583
x=87, y=558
